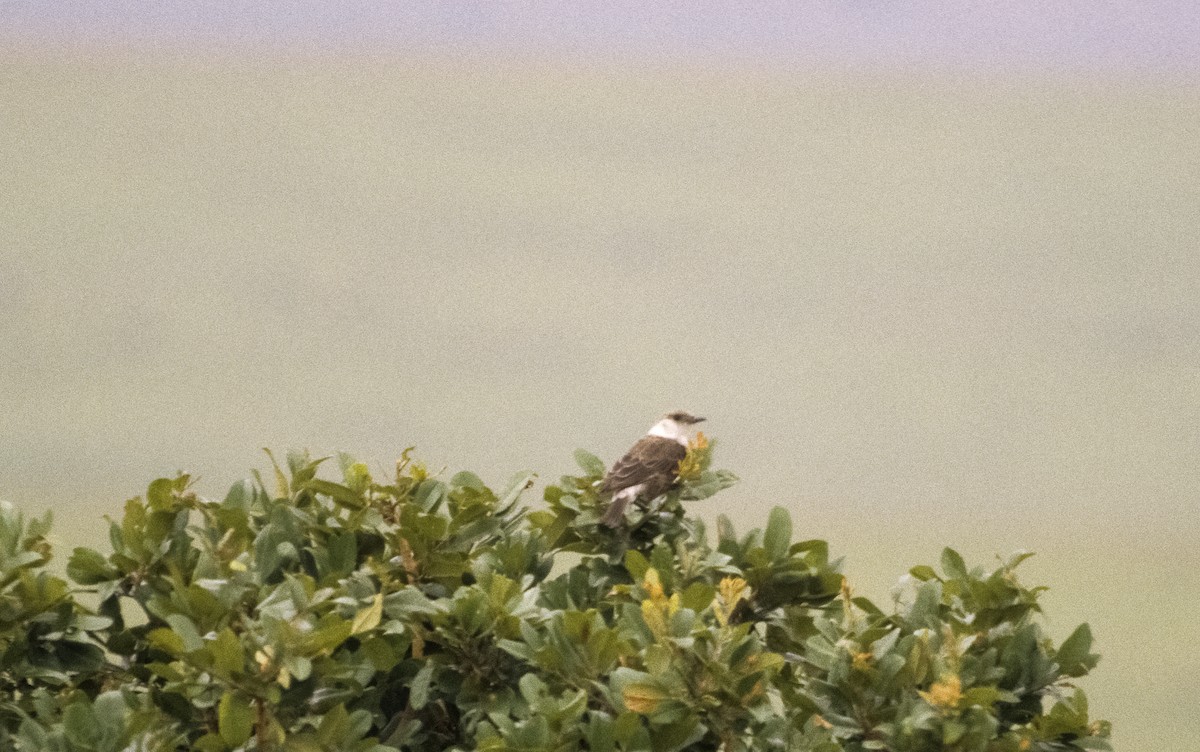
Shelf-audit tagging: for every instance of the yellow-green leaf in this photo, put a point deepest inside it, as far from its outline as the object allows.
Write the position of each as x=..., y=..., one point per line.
x=235, y=719
x=368, y=618
x=227, y=652
x=642, y=698
x=166, y=640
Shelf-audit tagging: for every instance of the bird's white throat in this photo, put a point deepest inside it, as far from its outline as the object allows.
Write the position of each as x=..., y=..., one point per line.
x=669, y=429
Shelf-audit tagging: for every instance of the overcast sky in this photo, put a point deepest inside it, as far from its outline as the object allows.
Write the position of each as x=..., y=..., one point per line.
x=1104, y=35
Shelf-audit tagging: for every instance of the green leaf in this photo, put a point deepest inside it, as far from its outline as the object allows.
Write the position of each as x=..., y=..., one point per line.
x=409, y=602
x=778, y=536
x=725, y=531
x=109, y=708
x=1068, y=716
x=1016, y=558
x=1074, y=657
x=419, y=689
x=235, y=719
x=166, y=640
x=90, y=623
x=358, y=724
x=710, y=482
x=240, y=496
x=368, y=618
x=429, y=495
x=210, y=742
x=88, y=567
x=303, y=467
x=468, y=479
x=925, y=610
x=281, y=482
x=697, y=596
x=657, y=659
x=953, y=565
x=79, y=724
x=636, y=564
x=336, y=491
x=984, y=697
x=330, y=635
x=185, y=628
x=952, y=731
x=599, y=735
x=532, y=688
x=678, y=735
x=627, y=728
x=380, y=653
x=591, y=465
x=643, y=698
x=355, y=474
x=343, y=553
x=924, y=572
x=227, y=652
x=518, y=485
x=160, y=494
x=298, y=666
x=334, y=727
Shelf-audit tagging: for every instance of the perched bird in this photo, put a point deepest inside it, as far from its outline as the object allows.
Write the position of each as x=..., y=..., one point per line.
x=650, y=468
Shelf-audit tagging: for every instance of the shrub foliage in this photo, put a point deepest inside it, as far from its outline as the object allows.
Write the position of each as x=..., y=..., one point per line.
x=421, y=613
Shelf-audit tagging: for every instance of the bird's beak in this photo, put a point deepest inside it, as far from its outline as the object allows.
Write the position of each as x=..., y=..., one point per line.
x=699, y=420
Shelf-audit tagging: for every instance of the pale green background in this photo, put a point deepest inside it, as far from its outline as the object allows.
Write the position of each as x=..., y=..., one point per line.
x=918, y=311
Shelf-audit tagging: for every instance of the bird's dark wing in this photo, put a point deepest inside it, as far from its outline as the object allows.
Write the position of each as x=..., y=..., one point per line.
x=652, y=459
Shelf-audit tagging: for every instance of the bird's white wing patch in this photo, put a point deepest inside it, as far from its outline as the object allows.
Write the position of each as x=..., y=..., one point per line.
x=630, y=493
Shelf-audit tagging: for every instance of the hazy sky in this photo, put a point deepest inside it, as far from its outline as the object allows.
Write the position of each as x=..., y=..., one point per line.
x=1122, y=35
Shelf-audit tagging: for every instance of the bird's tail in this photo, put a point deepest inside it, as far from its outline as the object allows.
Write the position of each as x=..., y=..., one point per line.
x=615, y=514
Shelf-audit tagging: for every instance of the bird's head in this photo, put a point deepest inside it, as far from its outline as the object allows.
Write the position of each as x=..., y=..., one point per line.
x=682, y=418
x=677, y=426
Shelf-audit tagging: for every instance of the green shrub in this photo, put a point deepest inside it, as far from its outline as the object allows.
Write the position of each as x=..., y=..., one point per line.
x=426, y=614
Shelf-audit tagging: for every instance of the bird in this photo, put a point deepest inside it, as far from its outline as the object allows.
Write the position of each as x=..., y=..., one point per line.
x=650, y=467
